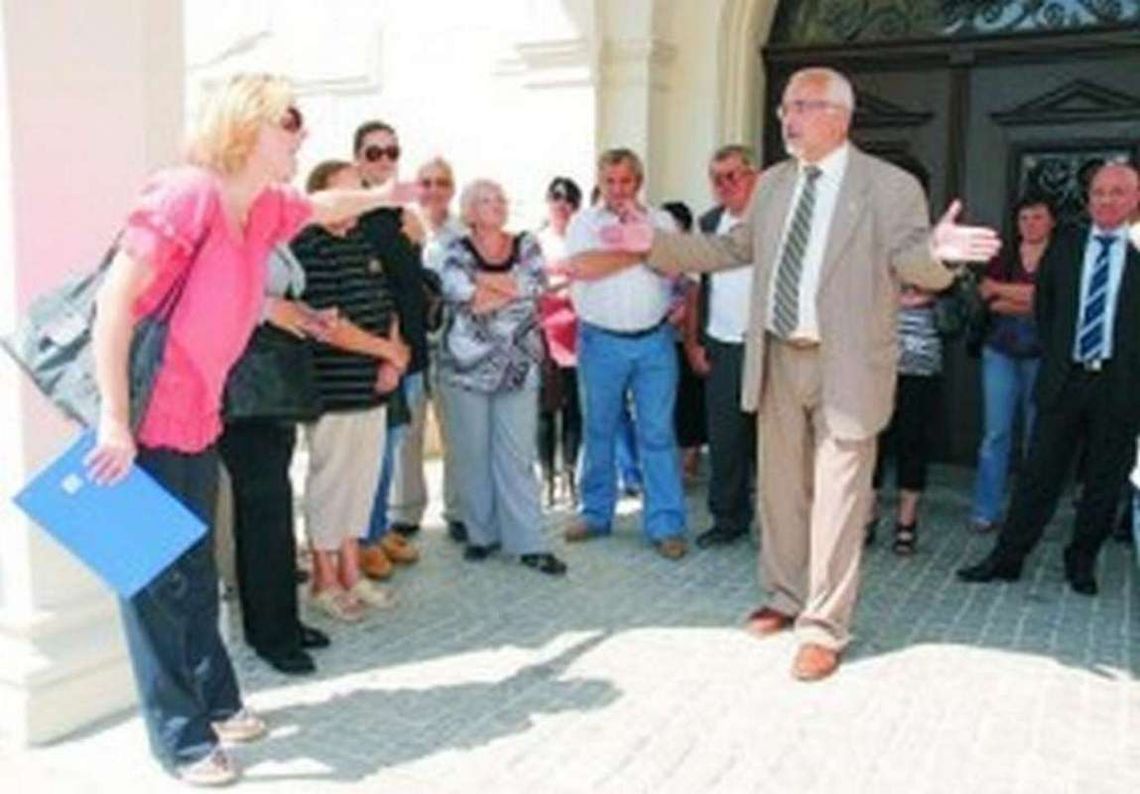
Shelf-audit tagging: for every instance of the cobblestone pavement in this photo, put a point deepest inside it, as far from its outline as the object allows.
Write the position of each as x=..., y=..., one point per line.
x=631, y=675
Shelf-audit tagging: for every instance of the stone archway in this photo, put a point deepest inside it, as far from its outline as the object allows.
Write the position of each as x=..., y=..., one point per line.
x=744, y=26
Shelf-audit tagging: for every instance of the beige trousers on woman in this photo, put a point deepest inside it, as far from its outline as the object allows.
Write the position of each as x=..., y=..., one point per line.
x=345, y=453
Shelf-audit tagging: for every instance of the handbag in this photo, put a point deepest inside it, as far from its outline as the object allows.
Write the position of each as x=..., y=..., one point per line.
x=960, y=311
x=53, y=344
x=274, y=379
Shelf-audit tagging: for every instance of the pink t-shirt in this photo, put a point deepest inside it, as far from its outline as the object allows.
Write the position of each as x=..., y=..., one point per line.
x=179, y=211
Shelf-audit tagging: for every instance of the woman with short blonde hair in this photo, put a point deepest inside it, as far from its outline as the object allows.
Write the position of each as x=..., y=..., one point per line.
x=201, y=232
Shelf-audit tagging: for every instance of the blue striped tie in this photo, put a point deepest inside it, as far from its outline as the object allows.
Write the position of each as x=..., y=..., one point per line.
x=1090, y=340
x=786, y=306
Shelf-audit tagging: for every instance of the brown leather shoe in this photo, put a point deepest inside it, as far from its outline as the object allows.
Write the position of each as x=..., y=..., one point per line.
x=814, y=662
x=671, y=548
x=580, y=531
x=374, y=563
x=399, y=549
x=766, y=621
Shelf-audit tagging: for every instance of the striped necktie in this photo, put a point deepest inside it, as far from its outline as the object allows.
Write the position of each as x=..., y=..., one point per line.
x=1090, y=340
x=786, y=306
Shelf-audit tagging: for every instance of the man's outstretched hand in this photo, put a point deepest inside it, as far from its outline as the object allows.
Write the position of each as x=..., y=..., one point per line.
x=634, y=234
x=953, y=242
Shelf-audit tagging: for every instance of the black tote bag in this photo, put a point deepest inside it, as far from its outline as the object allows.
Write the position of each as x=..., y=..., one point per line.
x=53, y=344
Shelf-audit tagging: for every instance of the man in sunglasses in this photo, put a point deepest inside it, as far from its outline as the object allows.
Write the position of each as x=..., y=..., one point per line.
x=396, y=241
x=714, y=346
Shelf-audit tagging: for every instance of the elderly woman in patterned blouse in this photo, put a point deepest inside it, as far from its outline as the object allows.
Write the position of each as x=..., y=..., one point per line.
x=489, y=375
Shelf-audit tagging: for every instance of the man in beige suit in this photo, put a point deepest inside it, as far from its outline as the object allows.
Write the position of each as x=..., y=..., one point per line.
x=831, y=233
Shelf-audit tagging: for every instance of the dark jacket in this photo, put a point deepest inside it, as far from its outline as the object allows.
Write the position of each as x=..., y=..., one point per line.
x=404, y=268
x=708, y=224
x=1057, y=303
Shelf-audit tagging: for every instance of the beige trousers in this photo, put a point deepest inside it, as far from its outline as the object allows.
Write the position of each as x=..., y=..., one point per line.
x=345, y=452
x=814, y=491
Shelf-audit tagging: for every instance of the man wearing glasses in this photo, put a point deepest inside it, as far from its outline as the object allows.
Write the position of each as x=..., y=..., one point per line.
x=396, y=235
x=714, y=345
x=830, y=235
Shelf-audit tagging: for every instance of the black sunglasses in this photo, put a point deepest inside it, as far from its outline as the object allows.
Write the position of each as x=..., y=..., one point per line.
x=292, y=121
x=373, y=153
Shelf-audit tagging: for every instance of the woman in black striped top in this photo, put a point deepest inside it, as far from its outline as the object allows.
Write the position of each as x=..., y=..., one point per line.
x=358, y=364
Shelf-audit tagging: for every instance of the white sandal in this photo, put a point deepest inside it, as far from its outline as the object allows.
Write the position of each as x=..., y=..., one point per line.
x=245, y=726
x=372, y=595
x=214, y=769
x=338, y=604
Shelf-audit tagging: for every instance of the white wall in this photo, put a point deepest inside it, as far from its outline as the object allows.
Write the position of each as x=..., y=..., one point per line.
x=503, y=90
x=90, y=103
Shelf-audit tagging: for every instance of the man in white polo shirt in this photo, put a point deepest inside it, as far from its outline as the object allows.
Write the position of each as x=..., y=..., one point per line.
x=625, y=344
x=714, y=345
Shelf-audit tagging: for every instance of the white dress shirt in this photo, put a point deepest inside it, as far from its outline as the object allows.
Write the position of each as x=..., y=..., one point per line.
x=1116, y=257
x=730, y=295
x=435, y=243
x=633, y=299
x=833, y=167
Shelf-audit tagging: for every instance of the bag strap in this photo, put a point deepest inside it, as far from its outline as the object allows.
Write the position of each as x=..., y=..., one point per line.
x=170, y=300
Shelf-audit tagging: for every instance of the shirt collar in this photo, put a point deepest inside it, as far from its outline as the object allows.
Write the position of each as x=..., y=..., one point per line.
x=833, y=165
x=1116, y=233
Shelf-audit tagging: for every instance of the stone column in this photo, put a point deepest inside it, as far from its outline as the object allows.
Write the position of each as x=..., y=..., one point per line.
x=90, y=102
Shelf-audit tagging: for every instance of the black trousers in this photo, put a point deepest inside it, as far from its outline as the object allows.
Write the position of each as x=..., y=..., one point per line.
x=560, y=416
x=257, y=455
x=907, y=436
x=1081, y=414
x=183, y=673
x=689, y=422
x=732, y=439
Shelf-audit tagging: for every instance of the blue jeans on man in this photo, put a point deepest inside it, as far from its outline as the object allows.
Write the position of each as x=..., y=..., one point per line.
x=625, y=451
x=1007, y=385
x=609, y=366
x=413, y=388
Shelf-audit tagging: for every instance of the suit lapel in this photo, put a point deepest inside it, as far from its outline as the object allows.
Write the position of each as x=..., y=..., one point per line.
x=849, y=205
x=770, y=230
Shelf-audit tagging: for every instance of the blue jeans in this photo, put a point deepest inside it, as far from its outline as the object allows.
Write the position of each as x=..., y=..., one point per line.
x=413, y=387
x=609, y=366
x=183, y=673
x=625, y=449
x=1007, y=384
x=1136, y=523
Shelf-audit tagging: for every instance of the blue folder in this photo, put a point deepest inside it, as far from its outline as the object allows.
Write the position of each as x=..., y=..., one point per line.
x=127, y=533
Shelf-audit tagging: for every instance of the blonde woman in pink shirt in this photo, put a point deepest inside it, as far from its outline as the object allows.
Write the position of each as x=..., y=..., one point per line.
x=209, y=227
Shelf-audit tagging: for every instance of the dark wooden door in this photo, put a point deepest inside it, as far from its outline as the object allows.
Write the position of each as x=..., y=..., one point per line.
x=983, y=119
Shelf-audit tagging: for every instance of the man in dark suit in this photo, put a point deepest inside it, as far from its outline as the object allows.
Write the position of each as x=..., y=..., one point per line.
x=1087, y=307
x=714, y=346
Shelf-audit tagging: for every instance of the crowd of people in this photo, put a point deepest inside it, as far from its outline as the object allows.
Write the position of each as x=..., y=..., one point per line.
x=577, y=362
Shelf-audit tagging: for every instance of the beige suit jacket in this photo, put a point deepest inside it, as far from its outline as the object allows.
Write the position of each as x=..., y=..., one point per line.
x=879, y=238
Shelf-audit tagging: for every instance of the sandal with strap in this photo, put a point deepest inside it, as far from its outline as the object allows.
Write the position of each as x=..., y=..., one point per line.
x=906, y=536
x=338, y=604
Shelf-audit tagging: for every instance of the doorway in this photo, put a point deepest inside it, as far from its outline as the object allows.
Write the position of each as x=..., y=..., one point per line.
x=990, y=100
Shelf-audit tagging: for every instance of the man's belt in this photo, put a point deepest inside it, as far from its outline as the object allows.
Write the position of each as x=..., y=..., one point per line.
x=631, y=334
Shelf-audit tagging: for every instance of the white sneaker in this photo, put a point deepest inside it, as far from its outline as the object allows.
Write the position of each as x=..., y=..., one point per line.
x=245, y=726
x=214, y=769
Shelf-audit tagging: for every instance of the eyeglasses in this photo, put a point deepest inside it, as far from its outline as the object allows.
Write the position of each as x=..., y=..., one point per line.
x=442, y=183
x=292, y=122
x=732, y=177
x=800, y=106
x=373, y=153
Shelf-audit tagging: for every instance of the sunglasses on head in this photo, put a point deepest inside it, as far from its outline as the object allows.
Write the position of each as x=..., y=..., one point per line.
x=443, y=183
x=292, y=121
x=373, y=153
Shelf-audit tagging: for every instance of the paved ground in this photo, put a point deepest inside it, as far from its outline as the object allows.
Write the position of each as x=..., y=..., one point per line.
x=631, y=676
